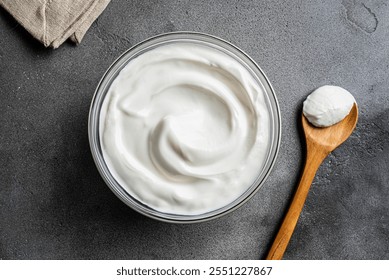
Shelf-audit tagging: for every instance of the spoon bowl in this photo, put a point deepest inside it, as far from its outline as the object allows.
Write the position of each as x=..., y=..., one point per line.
x=329, y=138
x=319, y=143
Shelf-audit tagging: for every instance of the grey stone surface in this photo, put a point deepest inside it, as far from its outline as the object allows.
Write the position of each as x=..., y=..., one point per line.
x=54, y=204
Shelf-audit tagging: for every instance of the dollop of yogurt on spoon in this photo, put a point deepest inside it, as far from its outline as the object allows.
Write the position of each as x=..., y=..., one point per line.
x=328, y=105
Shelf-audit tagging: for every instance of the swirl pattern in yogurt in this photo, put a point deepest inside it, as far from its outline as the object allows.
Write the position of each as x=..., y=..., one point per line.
x=184, y=128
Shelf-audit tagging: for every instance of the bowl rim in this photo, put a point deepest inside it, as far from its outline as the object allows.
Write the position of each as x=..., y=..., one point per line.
x=138, y=205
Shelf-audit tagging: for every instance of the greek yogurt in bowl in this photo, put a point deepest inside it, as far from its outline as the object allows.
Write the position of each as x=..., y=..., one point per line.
x=184, y=127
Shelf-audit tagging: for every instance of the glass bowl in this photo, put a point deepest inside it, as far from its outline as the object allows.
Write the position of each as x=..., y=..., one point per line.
x=171, y=38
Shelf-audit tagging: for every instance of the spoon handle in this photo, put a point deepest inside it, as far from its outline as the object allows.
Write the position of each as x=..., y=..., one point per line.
x=315, y=156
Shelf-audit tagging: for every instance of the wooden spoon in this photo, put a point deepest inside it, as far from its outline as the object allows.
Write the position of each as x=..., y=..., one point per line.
x=319, y=143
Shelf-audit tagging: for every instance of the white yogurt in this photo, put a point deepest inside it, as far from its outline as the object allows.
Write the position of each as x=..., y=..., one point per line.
x=327, y=105
x=184, y=128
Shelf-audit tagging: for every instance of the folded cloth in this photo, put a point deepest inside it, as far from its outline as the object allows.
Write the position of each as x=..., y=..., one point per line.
x=54, y=21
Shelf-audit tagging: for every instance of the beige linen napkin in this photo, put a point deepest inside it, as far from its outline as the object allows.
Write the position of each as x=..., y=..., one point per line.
x=54, y=21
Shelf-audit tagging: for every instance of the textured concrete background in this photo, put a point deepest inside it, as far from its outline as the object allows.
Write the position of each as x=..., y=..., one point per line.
x=54, y=205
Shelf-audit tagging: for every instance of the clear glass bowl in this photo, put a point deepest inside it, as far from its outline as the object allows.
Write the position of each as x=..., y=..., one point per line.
x=171, y=38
